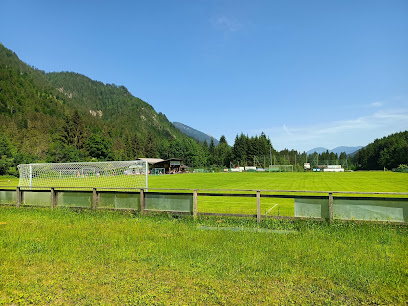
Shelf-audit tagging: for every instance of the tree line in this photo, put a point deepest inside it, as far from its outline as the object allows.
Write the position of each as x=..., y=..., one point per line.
x=388, y=152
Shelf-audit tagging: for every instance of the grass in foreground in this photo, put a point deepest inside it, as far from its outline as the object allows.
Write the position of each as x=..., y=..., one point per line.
x=84, y=257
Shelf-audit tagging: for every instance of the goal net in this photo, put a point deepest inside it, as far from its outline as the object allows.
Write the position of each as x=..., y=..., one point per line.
x=280, y=168
x=113, y=174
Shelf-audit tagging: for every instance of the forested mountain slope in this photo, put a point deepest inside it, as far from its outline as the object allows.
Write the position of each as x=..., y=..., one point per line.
x=196, y=134
x=388, y=152
x=60, y=117
x=111, y=104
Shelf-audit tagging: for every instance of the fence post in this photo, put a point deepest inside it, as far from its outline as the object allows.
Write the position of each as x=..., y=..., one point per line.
x=94, y=199
x=53, y=198
x=18, y=197
x=195, y=204
x=142, y=202
x=330, y=207
x=258, y=206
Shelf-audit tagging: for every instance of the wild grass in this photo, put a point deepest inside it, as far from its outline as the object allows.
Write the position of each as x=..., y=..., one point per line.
x=83, y=257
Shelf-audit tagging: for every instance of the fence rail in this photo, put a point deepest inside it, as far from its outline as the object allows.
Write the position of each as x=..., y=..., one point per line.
x=308, y=204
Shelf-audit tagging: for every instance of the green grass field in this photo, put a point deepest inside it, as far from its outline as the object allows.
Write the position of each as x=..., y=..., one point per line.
x=67, y=257
x=348, y=181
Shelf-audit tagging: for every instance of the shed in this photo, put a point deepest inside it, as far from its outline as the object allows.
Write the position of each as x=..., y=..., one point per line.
x=170, y=166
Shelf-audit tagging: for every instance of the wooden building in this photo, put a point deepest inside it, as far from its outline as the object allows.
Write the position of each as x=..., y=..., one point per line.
x=167, y=166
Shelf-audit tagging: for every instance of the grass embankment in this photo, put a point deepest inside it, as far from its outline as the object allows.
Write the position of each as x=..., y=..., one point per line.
x=84, y=257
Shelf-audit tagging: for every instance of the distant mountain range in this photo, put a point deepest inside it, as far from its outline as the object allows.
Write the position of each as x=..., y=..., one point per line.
x=338, y=150
x=193, y=133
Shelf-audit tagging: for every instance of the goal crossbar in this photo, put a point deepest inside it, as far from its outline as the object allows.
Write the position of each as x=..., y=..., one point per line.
x=280, y=168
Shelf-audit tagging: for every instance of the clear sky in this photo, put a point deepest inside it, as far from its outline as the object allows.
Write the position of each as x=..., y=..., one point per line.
x=307, y=73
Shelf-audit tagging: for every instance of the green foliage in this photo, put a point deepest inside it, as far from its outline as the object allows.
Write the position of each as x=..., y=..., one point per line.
x=63, y=153
x=99, y=147
x=52, y=117
x=388, y=152
x=6, y=165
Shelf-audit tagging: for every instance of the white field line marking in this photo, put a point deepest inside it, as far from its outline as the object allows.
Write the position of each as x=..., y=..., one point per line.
x=267, y=212
x=201, y=201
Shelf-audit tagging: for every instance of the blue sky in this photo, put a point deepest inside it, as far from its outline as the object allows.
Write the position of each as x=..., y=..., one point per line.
x=307, y=73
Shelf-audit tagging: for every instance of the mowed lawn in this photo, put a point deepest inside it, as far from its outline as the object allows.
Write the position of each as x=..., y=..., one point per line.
x=69, y=257
x=345, y=181
x=309, y=181
x=375, y=181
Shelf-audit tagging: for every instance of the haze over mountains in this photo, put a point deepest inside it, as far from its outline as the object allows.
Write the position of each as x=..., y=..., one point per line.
x=201, y=136
x=338, y=150
x=196, y=134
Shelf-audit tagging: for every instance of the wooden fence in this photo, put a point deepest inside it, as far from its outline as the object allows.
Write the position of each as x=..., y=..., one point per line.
x=318, y=205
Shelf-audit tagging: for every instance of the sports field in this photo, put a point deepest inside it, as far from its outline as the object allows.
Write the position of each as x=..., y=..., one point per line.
x=348, y=181
x=374, y=181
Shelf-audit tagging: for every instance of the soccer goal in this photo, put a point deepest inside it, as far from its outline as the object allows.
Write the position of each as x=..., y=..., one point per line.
x=280, y=168
x=113, y=174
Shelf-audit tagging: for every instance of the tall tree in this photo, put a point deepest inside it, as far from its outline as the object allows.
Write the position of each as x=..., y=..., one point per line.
x=73, y=131
x=151, y=146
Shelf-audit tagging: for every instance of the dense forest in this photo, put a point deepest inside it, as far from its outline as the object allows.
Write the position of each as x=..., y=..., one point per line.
x=63, y=117
x=67, y=117
x=388, y=152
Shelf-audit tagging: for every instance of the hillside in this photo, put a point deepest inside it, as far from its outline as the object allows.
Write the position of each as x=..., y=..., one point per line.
x=388, y=152
x=111, y=104
x=196, y=134
x=58, y=117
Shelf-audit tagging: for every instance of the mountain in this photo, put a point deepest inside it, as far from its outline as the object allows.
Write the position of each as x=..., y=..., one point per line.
x=196, y=134
x=338, y=150
x=111, y=104
x=65, y=116
x=318, y=150
x=348, y=150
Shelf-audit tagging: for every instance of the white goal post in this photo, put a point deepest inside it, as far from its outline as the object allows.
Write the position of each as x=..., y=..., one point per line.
x=112, y=174
x=280, y=168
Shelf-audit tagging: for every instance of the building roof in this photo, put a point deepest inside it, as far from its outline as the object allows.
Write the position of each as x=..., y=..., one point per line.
x=151, y=161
